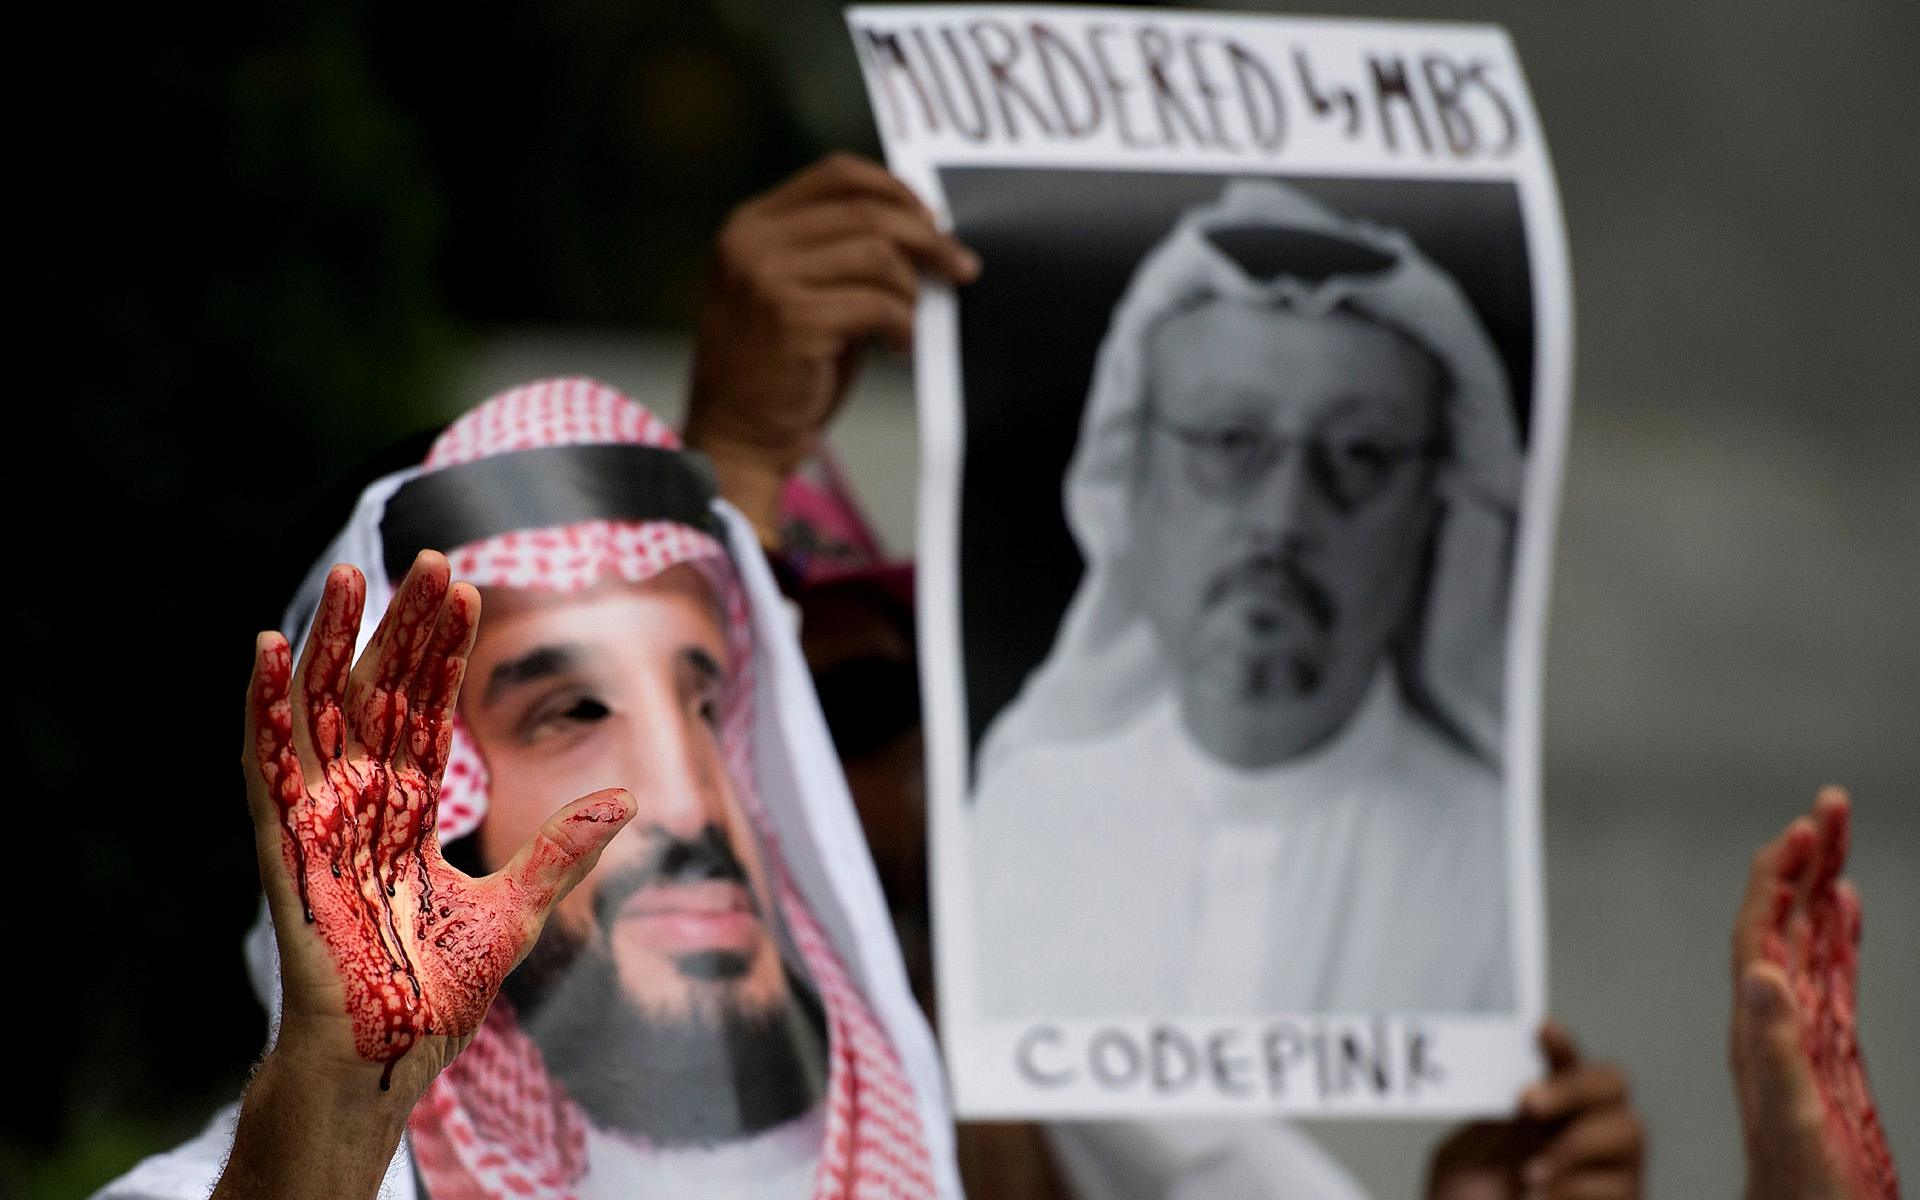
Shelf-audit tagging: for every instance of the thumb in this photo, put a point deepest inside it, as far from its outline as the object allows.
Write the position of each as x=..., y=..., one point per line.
x=1557, y=1044
x=1778, y=1079
x=564, y=850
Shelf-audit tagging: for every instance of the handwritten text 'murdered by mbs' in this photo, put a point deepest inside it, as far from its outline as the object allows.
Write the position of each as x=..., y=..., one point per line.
x=1153, y=87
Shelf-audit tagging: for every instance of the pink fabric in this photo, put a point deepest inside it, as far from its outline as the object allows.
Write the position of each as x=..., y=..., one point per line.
x=828, y=536
x=494, y=1125
x=819, y=501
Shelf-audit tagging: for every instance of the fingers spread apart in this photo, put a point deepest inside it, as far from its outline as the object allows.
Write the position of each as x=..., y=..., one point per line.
x=325, y=667
x=270, y=739
x=392, y=709
x=376, y=699
x=434, y=695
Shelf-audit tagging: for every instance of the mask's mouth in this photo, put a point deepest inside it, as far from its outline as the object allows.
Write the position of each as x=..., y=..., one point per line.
x=714, y=916
x=689, y=896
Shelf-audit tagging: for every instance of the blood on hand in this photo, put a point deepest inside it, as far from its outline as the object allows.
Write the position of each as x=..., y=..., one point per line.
x=1814, y=937
x=352, y=757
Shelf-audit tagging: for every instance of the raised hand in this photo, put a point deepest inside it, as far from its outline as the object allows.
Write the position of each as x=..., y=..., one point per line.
x=804, y=278
x=1806, y=1111
x=384, y=948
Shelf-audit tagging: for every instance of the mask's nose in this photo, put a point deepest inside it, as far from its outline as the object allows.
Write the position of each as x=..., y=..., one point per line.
x=671, y=761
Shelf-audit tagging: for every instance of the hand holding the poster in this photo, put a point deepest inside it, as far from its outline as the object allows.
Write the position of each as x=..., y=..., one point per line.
x=389, y=958
x=1805, y=1108
x=804, y=278
x=1575, y=1137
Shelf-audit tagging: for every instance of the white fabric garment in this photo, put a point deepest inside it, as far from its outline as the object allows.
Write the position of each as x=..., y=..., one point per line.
x=1366, y=876
x=1196, y=1160
x=775, y=1165
x=190, y=1170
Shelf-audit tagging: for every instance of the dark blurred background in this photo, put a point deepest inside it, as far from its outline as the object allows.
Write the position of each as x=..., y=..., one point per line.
x=264, y=241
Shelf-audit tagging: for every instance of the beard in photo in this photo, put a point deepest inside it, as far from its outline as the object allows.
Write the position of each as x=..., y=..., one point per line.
x=1264, y=627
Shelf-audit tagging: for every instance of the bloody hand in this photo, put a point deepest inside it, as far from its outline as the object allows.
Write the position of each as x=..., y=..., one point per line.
x=1806, y=1111
x=383, y=946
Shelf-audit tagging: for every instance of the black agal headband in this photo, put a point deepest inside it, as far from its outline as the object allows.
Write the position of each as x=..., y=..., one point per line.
x=544, y=488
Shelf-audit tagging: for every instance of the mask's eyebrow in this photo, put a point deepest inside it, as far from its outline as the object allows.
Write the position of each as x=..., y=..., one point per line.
x=534, y=665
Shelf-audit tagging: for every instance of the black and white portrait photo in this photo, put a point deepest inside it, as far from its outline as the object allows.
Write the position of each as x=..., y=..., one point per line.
x=1258, y=768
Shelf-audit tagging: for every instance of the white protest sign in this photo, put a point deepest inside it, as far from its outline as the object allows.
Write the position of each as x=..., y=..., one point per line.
x=1240, y=463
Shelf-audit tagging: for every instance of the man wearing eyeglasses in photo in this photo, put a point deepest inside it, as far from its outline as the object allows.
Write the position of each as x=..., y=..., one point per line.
x=1260, y=769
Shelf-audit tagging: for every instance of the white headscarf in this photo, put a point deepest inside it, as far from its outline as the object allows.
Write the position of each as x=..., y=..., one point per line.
x=1105, y=667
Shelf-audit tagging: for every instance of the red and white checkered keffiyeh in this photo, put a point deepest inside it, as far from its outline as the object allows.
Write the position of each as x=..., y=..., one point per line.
x=494, y=1126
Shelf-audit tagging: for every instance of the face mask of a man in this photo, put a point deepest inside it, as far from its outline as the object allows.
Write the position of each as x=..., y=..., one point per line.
x=658, y=995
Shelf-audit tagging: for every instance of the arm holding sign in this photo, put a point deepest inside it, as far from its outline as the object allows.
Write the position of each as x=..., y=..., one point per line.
x=389, y=958
x=805, y=277
x=1805, y=1108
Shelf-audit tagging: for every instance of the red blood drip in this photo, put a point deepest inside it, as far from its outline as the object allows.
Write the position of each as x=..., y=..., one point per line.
x=279, y=764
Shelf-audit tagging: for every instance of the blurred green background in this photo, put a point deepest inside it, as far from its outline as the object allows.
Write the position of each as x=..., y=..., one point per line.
x=266, y=241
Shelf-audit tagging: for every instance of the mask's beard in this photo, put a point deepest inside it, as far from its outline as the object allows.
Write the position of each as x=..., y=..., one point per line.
x=715, y=1072
x=710, y=1075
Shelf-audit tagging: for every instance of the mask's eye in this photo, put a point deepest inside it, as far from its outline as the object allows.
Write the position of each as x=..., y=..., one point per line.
x=586, y=709
x=561, y=714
